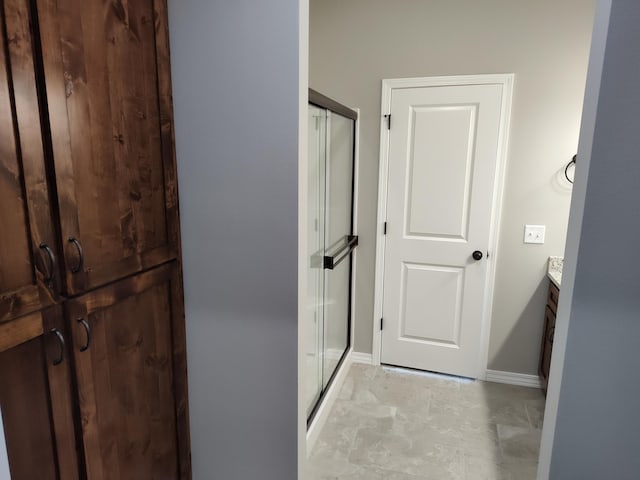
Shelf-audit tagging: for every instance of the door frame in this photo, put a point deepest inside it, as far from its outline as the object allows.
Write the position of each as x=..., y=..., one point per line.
x=388, y=85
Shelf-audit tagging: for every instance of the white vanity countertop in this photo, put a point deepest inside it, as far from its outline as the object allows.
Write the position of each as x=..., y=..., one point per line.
x=554, y=270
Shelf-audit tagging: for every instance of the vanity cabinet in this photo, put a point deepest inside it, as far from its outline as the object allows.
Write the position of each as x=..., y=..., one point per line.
x=548, y=334
x=93, y=381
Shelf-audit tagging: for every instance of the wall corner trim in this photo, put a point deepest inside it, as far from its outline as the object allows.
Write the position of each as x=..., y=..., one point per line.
x=511, y=378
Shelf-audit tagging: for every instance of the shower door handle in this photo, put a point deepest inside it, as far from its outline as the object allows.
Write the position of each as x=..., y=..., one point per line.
x=332, y=261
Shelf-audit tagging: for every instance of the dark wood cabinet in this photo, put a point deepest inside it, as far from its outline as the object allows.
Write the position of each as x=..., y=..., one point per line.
x=548, y=334
x=36, y=398
x=93, y=381
x=129, y=381
x=28, y=248
x=106, y=67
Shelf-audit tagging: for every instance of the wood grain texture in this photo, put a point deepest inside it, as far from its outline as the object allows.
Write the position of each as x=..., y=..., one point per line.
x=109, y=145
x=25, y=216
x=86, y=135
x=126, y=378
x=15, y=255
x=173, y=221
x=61, y=395
x=553, y=297
x=180, y=377
x=55, y=93
x=20, y=330
x=24, y=401
x=165, y=99
x=36, y=400
x=23, y=71
x=548, y=332
x=547, y=347
x=19, y=302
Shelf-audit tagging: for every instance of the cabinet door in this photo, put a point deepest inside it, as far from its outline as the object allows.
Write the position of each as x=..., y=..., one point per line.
x=129, y=357
x=547, y=346
x=35, y=399
x=27, y=245
x=108, y=92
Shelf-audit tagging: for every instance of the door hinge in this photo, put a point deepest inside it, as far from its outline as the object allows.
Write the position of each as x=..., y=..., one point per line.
x=385, y=228
x=381, y=323
x=388, y=117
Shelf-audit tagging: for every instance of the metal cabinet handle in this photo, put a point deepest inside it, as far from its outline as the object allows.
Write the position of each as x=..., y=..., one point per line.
x=52, y=262
x=76, y=243
x=60, y=338
x=87, y=331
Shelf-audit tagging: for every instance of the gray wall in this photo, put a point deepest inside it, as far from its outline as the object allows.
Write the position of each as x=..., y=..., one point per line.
x=354, y=44
x=236, y=80
x=596, y=432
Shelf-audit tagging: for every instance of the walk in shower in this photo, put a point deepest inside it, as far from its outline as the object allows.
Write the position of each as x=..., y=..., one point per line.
x=331, y=242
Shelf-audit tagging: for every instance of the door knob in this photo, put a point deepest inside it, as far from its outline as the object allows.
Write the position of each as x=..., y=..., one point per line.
x=477, y=255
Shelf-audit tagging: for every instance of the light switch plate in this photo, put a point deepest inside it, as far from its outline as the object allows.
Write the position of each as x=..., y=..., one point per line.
x=534, y=233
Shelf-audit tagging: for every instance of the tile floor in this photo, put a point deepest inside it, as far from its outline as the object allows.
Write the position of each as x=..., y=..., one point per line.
x=394, y=424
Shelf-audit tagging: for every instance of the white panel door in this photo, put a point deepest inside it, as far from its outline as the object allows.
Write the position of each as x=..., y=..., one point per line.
x=443, y=151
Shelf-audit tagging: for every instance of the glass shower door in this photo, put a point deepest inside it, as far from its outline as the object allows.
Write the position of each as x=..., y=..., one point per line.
x=339, y=241
x=330, y=243
x=315, y=245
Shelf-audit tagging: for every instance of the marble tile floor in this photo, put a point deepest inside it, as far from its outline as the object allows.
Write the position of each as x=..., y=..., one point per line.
x=395, y=424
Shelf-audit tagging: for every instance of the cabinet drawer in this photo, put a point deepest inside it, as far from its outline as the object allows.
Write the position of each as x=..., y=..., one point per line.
x=552, y=299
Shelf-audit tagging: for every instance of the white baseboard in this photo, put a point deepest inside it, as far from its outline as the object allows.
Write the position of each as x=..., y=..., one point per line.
x=510, y=378
x=313, y=432
x=359, y=357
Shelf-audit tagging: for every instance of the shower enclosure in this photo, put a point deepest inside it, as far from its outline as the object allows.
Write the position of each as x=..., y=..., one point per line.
x=331, y=242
